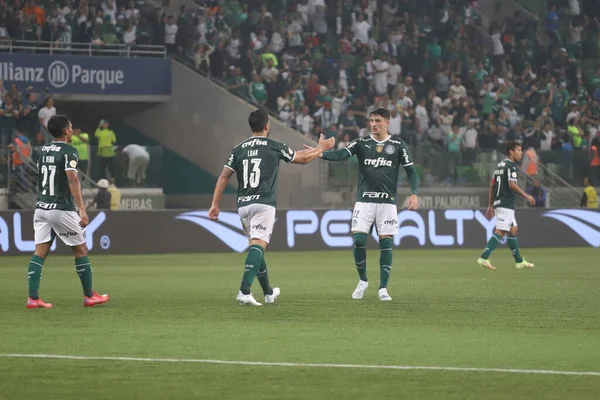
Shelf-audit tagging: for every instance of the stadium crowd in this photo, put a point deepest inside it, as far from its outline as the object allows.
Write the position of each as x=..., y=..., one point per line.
x=447, y=81
x=320, y=67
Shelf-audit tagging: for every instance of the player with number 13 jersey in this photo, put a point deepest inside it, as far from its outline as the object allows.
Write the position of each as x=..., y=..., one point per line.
x=256, y=163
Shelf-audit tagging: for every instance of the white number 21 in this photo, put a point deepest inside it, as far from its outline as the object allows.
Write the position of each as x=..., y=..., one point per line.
x=50, y=182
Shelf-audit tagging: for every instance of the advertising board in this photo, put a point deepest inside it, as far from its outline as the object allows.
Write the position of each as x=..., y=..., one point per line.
x=87, y=75
x=138, y=232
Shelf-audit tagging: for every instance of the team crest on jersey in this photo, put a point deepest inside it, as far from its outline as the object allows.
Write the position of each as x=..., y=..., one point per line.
x=379, y=148
x=73, y=164
x=389, y=149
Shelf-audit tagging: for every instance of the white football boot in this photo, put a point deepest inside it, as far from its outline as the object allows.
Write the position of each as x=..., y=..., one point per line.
x=270, y=298
x=247, y=299
x=383, y=295
x=359, y=292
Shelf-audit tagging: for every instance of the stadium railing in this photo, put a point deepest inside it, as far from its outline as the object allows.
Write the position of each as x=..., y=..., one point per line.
x=437, y=166
x=16, y=181
x=81, y=49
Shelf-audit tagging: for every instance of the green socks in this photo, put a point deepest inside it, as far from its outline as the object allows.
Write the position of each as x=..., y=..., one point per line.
x=513, y=244
x=491, y=246
x=84, y=270
x=385, y=261
x=34, y=275
x=360, y=255
x=253, y=263
x=82, y=266
x=263, y=278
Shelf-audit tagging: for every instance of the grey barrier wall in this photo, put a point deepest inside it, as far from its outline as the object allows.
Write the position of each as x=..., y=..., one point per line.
x=135, y=232
x=202, y=122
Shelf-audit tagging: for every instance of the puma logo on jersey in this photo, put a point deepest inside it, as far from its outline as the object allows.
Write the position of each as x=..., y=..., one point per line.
x=378, y=162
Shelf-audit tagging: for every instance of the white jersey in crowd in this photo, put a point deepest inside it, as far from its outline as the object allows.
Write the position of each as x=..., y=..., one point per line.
x=135, y=151
x=45, y=114
x=170, y=33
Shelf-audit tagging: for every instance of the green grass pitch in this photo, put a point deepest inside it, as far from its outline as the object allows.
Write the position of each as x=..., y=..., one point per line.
x=446, y=312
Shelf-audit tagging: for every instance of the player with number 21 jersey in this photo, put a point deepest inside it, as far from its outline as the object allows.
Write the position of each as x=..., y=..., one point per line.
x=60, y=212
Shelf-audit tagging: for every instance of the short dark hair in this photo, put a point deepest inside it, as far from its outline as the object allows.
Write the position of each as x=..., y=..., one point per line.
x=382, y=112
x=511, y=146
x=57, y=125
x=258, y=120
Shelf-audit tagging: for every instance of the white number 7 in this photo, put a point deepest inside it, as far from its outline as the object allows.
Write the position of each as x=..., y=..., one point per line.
x=499, y=181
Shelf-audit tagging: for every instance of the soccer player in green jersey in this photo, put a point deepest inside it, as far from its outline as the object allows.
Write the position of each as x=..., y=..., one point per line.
x=256, y=163
x=379, y=160
x=59, y=198
x=503, y=188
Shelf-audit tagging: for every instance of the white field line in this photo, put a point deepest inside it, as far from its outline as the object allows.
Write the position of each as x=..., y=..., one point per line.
x=301, y=365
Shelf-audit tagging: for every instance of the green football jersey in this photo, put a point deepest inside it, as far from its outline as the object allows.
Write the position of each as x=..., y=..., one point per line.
x=504, y=196
x=54, y=160
x=256, y=163
x=378, y=165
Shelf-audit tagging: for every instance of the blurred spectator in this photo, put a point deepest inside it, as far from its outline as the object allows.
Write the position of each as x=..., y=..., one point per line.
x=304, y=122
x=30, y=114
x=21, y=151
x=102, y=198
x=454, y=149
x=115, y=195
x=538, y=192
x=9, y=112
x=589, y=199
x=44, y=115
x=595, y=158
x=470, y=143
x=530, y=162
x=258, y=90
x=138, y=160
x=106, y=149
x=81, y=142
x=170, y=34
x=343, y=143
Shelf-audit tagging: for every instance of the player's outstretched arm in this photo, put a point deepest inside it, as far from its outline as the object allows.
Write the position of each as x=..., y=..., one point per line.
x=75, y=188
x=332, y=155
x=515, y=188
x=213, y=213
x=304, y=157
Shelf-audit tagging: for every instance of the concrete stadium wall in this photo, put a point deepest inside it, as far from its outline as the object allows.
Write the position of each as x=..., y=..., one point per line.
x=203, y=121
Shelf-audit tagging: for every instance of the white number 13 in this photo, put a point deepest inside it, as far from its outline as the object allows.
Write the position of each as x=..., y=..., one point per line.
x=251, y=177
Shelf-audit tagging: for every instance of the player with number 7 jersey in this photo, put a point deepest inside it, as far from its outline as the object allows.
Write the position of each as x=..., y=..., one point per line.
x=502, y=191
x=256, y=163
